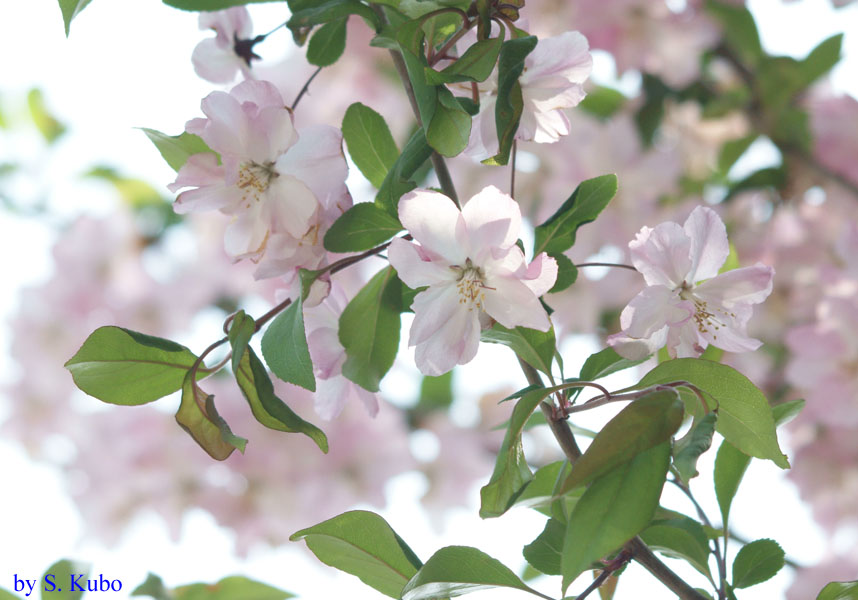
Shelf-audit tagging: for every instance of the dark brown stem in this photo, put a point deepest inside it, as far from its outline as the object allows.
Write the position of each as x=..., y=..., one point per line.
x=602, y=264
x=622, y=558
x=512, y=170
x=305, y=88
x=719, y=557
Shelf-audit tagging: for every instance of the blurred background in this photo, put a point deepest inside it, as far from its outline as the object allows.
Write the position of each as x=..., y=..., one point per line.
x=684, y=110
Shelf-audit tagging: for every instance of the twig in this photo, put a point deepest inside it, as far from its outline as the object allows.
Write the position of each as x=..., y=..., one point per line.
x=305, y=88
x=602, y=264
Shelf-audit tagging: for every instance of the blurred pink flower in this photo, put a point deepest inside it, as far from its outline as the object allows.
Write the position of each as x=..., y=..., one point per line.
x=474, y=271
x=676, y=311
x=215, y=59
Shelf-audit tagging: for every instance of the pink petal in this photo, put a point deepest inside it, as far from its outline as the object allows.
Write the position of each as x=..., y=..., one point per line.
x=748, y=285
x=317, y=159
x=512, y=304
x=709, y=246
x=435, y=222
x=685, y=341
x=290, y=205
x=493, y=220
x=730, y=339
x=263, y=94
x=246, y=235
x=214, y=63
x=226, y=131
x=662, y=254
x=227, y=23
x=455, y=343
x=653, y=308
x=415, y=269
x=541, y=274
x=566, y=55
x=638, y=348
x=433, y=309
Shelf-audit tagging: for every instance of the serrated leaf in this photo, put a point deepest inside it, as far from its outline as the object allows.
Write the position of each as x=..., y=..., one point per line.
x=730, y=467
x=545, y=552
x=757, y=562
x=689, y=447
x=120, y=366
x=363, y=226
x=328, y=43
x=369, y=330
x=557, y=234
x=614, y=509
x=534, y=347
x=457, y=570
x=175, y=149
x=643, y=424
x=744, y=416
x=839, y=590
x=285, y=349
x=266, y=407
x=363, y=544
x=370, y=143
x=207, y=429
x=70, y=10
x=681, y=538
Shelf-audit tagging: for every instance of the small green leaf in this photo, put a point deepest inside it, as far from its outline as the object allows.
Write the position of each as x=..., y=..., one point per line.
x=839, y=590
x=731, y=152
x=604, y=363
x=740, y=30
x=363, y=544
x=757, y=562
x=688, y=449
x=398, y=180
x=590, y=198
x=730, y=466
x=614, y=509
x=370, y=143
x=603, y=102
x=56, y=588
x=457, y=570
x=436, y=393
x=328, y=43
x=545, y=552
x=476, y=64
x=319, y=12
x=509, y=104
x=369, y=330
x=268, y=409
x=235, y=587
x=744, y=416
x=567, y=273
x=7, y=595
x=120, y=366
x=241, y=329
x=209, y=5
x=542, y=489
x=48, y=125
x=643, y=424
x=450, y=126
x=785, y=412
x=175, y=149
x=681, y=538
x=821, y=59
x=365, y=225
x=208, y=429
x=534, y=347
x=284, y=346
x=153, y=587
x=71, y=9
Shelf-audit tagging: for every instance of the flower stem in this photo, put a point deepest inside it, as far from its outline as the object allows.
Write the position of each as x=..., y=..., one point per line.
x=602, y=264
x=305, y=88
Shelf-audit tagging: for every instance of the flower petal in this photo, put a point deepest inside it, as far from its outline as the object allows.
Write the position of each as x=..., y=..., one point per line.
x=291, y=205
x=435, y=222
x=455, y=343
x=541, y=274
x=414, y=268
x=317, y=159
x=748, y=285
x=653, y=308
x=433, y=309
x=638, y=348
x=214, y=63
x=709, y=246
x=512, y=304
x=493, y=220
x=662, y=254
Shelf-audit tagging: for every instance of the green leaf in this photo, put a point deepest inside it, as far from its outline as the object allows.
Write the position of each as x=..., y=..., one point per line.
x=48, y=125
x=284, y=346
x=731, y=151
x=365, y=225
x=757, y=562
x=363, y=544
x=61, y=571
x=120, y=366
x=241, y=329
x=821, y=59
x=648, y=117
x=153, y=587
x=369, y=330
x=476, y=64
x=314, y=13
x=7, y=595
x=681, y=538
x=603, y=363
x=643, y=424
x=175, y=149
x=567, y=273
x=614, y=509
x=235, y=587
x=510, y=104
x=603, y=102
x=450, y=127
x=266, y=407
x=688, y=449
x=545, y=552
x=369, y=142
x=590, y=198
x=744, y=416
x=436, y=393
x=542, y=489
x=328, y=43
x=740, y=30
x=457, y=570
x=785, y=412
x=839, y=590
x=209, y=5
x=200, y=420
x=730, y=466
x=398, y=180
x=533, y=346
x=71, y=9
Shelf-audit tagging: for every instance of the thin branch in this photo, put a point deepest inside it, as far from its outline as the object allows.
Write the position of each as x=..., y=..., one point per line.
x=512, y=169
x=720, y=558
x=603, y=264
x=305, y=88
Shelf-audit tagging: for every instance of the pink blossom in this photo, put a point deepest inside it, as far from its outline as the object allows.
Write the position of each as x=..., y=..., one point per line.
x=675, y=310
x=281, y=191
x=474, y=271
x=551, y=82
x=215, y=59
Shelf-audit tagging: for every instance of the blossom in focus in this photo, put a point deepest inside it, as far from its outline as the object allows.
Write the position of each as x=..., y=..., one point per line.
x=281, y=191
x=216, y=59
x=552, y=81
x=676, y=310
x=333, y=390
x=474, y=270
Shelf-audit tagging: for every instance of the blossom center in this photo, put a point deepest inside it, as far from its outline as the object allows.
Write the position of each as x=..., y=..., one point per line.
x=707, y=321
x=254, y=179
x=470, y=284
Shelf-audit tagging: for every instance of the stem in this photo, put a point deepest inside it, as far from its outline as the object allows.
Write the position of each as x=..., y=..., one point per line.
x=512, y=170
x=720, y=558
x=441, y=54
x=305, y=88
x=602, y=264
x=265, y=35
